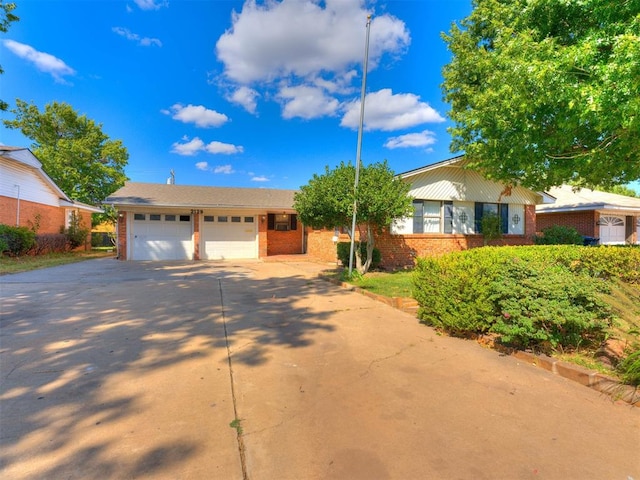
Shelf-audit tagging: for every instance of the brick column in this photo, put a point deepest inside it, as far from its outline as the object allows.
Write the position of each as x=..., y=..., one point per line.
x=122, y=236
x=196, y=235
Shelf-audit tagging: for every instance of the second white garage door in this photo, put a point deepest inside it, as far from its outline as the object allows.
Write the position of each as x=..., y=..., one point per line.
x=229, y=237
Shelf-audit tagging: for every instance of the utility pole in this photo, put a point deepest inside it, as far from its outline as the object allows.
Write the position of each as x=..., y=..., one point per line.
x=359, y=147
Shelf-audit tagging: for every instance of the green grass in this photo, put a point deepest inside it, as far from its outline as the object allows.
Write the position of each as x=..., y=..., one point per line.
x=27, y=262
x=396, y=284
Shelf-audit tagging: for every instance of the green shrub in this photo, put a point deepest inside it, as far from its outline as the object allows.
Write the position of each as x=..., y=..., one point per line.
x=548, y=307
x=532, y=296
x=345, y=247
x=491, y=228
x=559, y=235
x=629, y=367
x=76, y=233
x=16, y=241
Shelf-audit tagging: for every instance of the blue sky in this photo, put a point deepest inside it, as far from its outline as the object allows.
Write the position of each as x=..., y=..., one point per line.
x=233, y=93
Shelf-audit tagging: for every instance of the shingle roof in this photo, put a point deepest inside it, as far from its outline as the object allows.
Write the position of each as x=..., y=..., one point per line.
x=586, y=199
x=159, y=194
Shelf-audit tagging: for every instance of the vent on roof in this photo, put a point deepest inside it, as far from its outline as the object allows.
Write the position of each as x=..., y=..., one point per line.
x=172, y=179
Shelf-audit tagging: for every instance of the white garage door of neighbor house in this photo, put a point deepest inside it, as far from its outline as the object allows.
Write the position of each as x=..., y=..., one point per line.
x=162, y=237
x=612, y=230
x=229, y=236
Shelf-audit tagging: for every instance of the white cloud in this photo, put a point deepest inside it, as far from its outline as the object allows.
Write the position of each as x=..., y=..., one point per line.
x=189, y=148
x=224, y=169
x=300, y=38
x=151, y=4
x=42, y=61
x=259, y=179
x=223, y=148
x=197, y=114
x=420, y=139
x=134, y=37
x=245, y=97
x=192, y=147
x=307, y=102
x=202, y=166
x=386, y=111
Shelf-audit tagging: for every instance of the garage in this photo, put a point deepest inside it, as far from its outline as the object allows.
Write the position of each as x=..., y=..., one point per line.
x=160, y=236
x=612, y=230
x=229, y=236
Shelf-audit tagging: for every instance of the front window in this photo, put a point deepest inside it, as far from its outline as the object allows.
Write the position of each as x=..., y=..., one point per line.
x=432, y=216
x=282, y=222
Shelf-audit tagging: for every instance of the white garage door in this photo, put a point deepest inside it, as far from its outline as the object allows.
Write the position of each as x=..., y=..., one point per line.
x=162, y=237
x=612, y=231
x=229, y=236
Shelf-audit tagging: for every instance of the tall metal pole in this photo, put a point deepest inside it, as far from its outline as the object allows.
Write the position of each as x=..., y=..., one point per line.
x=359, y=148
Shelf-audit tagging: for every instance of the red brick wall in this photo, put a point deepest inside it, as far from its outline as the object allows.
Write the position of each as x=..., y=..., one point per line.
x=583, y=222
x=284, y=243
x=51, y=218
x=262, y=236
x=122, y=236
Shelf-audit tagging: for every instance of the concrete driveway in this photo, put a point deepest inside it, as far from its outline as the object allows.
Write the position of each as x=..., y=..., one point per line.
x=118, y=370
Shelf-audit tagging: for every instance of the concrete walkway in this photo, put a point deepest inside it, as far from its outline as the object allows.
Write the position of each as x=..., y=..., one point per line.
x=117, y=370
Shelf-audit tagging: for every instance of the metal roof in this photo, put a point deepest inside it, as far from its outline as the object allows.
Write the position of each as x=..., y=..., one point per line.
x=166, y=195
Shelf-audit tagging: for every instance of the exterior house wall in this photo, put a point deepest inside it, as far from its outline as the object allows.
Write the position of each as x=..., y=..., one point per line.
x=288, y=242
x=121, y=236
x=50, y=219
x=584, y=221
x=401, y=251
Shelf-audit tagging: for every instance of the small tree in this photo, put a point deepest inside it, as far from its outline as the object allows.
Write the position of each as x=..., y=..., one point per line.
x=76, y=233
x=381, y=197
x=490, y=227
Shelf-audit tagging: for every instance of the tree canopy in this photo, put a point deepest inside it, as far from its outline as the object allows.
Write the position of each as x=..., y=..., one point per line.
x=544, y=92
x=74, y=151
x=327, y=201
x=6, y=17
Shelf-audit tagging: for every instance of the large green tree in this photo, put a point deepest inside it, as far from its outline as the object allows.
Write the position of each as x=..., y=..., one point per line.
x=547, y=91
x=6, y=17
x=327, y=202
x=80, y=158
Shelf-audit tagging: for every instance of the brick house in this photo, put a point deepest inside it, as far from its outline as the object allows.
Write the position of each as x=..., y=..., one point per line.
x=613, y=219
x=449, y=202
x=30, y=198
x=182, y=222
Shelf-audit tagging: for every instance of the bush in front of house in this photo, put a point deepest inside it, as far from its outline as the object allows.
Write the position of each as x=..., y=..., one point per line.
x=629, y=367
x=16, y=241
x=50, y=242
x=542, y=297
x=345, y=247
x=559, y=235
x=76, y=233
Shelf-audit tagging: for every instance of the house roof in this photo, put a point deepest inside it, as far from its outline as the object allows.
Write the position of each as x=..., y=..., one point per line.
x=568, y=200
x=167, y=195
x=26, y=158
x=459, y=162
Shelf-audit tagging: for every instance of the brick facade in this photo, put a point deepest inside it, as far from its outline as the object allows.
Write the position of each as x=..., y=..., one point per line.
x=288, y=242
x=584, y=222
x=400, y=251
x=46, y=219
x=122, y=236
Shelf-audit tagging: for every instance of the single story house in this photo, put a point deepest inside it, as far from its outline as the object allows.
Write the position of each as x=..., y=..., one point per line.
x=173, y=222
x=30, y=198
x=181, y=222
x=613, y=219
x=449, y=202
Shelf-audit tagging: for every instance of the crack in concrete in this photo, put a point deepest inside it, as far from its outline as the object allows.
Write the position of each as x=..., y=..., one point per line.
x=241, y=449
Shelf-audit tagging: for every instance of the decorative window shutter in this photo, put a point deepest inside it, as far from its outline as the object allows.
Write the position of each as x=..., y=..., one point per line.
x=271, y=221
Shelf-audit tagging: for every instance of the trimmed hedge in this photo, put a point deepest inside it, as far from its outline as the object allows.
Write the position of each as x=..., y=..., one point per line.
x=542, y=296
x=16, y=241
x=559, y=235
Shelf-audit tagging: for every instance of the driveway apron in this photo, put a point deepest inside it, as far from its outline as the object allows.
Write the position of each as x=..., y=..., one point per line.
x=256, y=370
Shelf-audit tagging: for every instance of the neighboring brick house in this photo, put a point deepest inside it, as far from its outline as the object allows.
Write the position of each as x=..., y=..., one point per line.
x=29, y=198
x=610, y=218
x=182, y=222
